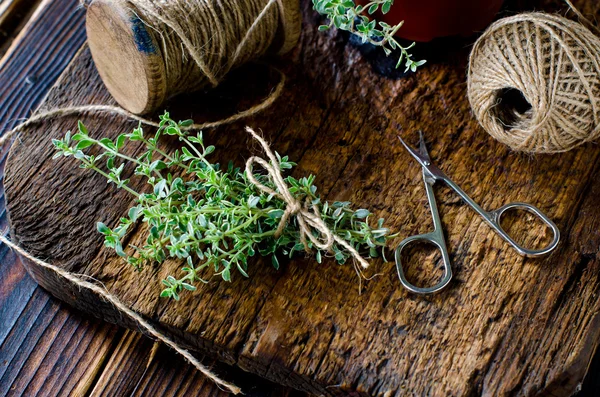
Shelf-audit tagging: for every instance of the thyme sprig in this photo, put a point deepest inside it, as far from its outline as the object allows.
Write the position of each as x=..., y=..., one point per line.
x=212, y=218
x=346, y=15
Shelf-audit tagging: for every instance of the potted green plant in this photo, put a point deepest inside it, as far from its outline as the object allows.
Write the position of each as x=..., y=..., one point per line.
x=425, y=20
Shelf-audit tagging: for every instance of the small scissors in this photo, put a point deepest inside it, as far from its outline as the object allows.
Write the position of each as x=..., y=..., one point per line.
x=431, y=174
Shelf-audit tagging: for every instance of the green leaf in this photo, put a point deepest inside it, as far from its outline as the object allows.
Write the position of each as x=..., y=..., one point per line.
x=172, y=131
x=275, y=214
x=361, y=214
x=226, y=275
x=83, y=144
x=120, y=141
x=275, y=262
x=119, y=249
x=160, y=186
x=102, y=228
x=134, y=213
x=253, y=201
x=82, y=128
x=241, y=270
x=158, y=165
x=188, y=287
x=108, y=143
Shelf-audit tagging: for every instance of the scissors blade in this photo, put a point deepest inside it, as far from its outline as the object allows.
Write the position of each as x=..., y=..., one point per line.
x=423, y=148
x=421, y=158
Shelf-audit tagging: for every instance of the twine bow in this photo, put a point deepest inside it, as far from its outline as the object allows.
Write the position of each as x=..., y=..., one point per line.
x=307, y=220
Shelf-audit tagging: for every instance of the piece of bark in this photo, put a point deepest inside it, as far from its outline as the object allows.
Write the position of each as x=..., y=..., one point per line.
x=507, y=325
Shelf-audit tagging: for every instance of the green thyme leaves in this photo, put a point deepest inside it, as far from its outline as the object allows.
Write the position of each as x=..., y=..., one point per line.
x=346, y=15
x=210, y=217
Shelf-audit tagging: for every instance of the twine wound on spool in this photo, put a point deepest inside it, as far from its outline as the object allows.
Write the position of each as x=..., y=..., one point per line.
x=149, y=50
x=534, y=83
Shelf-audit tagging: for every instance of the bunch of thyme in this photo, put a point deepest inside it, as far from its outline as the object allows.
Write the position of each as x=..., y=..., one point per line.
x=346, y=15
x=212, y=218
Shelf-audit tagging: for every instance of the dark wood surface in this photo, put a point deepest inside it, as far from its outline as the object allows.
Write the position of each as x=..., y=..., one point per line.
x=48, y=349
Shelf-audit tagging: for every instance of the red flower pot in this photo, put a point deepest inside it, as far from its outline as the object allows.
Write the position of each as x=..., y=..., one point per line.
x=425, y=20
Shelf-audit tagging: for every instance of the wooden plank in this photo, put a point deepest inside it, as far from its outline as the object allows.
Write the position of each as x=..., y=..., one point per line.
x=45, y=347
x=508, y=326
x=14, y=14
x=133, y=371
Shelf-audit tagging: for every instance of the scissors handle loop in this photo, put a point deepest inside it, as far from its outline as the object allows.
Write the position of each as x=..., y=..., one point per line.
x=495, y=217
x=436, y=238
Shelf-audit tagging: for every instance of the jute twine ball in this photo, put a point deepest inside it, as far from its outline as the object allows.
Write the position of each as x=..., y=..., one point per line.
x=534, y=83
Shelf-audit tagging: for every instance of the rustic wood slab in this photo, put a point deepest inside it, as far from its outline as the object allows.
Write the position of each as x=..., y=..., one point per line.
x=46, y=348
x=508, y=325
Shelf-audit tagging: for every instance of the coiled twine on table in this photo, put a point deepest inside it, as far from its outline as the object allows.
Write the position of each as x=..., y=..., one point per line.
x=534, y=83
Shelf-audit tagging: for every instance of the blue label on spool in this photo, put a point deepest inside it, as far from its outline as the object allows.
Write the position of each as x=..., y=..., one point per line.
x=143, y=41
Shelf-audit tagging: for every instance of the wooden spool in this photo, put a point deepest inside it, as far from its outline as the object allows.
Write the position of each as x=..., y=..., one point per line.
x=129, y=58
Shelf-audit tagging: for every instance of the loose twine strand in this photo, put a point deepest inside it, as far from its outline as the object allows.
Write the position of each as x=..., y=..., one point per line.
x=115, y=110
x=554, y=63
x=107, y=296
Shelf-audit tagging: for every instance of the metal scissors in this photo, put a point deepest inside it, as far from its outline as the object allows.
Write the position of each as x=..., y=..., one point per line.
x=432, y=174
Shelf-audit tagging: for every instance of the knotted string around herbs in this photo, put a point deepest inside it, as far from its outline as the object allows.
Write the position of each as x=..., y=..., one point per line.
x=307, y=220
x=121, y=307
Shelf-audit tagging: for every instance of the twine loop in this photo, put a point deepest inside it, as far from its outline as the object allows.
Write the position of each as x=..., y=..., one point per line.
x=307, y=213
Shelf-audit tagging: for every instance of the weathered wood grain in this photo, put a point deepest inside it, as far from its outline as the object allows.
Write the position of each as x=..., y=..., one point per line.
x=134, y=371
x=508, y=325
x=14, y=14
x=45, y=348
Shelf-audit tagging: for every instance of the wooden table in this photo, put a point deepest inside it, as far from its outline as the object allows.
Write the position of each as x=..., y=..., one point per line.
x=46, y=348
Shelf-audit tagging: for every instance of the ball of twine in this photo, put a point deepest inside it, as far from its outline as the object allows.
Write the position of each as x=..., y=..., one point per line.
x=534, y=82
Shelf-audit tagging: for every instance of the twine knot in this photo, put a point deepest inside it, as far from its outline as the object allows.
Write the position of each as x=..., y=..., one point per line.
x=307, y=213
